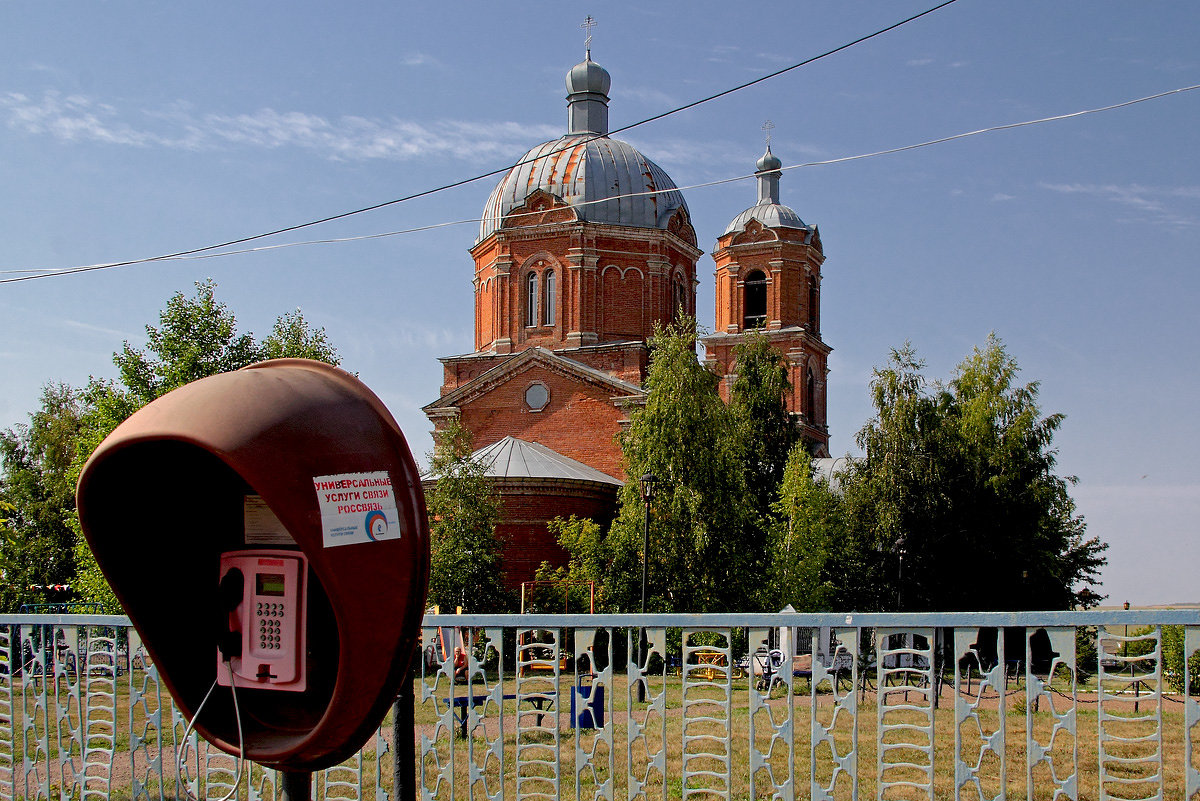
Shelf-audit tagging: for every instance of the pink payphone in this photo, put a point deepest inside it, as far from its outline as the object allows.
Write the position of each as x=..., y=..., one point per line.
x=264, y=594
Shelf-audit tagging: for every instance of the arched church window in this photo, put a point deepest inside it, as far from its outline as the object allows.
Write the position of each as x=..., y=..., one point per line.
x=531, y=298
x=549, y=306
x=754, y=300
x=681, y=299
x=810, y=393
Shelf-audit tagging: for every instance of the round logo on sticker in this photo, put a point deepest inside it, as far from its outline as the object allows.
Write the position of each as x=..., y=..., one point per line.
x=377, y=525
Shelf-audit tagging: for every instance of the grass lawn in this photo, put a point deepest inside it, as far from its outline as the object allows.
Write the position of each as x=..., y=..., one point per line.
x=717, y=754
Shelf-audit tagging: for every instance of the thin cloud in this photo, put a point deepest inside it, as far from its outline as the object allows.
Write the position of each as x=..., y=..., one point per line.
x=918, y=62
x=1000, y=197
x=419, y=60
x=76, y=118
x=1154, y=204
x=96, y=329
x=648, y=95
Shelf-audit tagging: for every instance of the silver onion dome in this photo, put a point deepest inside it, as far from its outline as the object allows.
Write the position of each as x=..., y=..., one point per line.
x=607, y=181
x=769, y=212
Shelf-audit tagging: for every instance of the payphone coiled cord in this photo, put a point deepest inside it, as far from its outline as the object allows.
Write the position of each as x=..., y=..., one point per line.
x=181, y=751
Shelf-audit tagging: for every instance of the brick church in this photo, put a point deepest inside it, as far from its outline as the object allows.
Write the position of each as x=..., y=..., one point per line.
x=584, y=246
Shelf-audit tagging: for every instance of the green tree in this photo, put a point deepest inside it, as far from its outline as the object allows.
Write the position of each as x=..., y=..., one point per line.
x=766, y=434
x=807, y=532
x=38, y=488
x=687, y=438
x=956, y=504
x=465, y=564
x=590, y=561
x=196, y=337
x=293, y=338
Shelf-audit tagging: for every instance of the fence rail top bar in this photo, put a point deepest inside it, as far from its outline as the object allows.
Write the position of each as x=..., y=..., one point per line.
x=1104, y=617
x=1096, y=617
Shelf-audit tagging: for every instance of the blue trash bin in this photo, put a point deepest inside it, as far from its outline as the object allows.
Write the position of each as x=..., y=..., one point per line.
x=587, y=706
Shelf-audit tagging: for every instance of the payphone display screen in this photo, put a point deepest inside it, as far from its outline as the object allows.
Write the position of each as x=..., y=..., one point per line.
x=269, y=584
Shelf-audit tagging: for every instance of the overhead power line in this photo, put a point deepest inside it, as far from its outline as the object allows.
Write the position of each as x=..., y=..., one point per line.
x=217, y=252
x=465, y=181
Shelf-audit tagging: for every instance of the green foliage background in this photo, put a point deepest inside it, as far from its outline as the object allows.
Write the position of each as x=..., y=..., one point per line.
x=465, y=565
x=956, y=504
x=42, y=542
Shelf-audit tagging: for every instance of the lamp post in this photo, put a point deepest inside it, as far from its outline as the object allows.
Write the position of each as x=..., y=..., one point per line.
x=1125, y=643
x=646, y=482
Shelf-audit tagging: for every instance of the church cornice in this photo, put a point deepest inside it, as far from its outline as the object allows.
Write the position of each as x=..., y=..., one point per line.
x=586, y=233
x=774, y=335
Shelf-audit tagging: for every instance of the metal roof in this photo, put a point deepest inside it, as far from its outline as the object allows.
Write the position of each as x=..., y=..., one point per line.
x=516, y=458
x=585, y=170
x=771, y=215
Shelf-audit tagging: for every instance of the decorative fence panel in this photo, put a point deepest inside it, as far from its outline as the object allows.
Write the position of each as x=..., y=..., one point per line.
x=987, y=706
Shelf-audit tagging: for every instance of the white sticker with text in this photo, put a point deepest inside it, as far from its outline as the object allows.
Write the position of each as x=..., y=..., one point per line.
x=357, y=508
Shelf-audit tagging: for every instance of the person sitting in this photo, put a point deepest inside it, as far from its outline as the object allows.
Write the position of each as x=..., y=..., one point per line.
x=460, y=665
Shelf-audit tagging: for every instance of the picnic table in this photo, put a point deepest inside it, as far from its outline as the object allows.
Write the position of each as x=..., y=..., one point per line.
x=460, y=705
x=711, y=663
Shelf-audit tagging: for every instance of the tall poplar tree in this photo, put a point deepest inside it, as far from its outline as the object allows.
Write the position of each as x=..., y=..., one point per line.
x=687, y=438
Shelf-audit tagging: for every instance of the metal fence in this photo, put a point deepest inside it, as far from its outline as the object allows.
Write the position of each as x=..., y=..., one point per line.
x=625, y=707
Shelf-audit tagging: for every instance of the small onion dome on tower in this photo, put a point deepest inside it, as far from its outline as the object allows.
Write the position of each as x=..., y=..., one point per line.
x=607, y=181
x=769, y=212
x=587, y=98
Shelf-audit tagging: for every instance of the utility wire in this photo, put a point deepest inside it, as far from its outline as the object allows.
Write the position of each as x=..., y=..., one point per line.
x=194, y=255
x=465, y=181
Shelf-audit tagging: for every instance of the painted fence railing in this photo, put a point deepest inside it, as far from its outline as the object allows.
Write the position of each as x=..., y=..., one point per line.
x=625, y=707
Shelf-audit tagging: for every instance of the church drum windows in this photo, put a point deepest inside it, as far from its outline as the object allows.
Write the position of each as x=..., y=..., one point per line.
x=531, y=299
x=681, y=299
x=540, y=303
x=550, y=299
x=754, y=300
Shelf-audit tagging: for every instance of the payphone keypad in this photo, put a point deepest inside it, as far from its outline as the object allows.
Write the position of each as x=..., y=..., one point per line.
x=270, y=625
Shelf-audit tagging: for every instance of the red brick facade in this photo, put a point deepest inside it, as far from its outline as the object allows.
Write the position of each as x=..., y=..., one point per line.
x=523, y=533
x=585, y=247
x=580, y=419
x=784, y=266
x=609, y=283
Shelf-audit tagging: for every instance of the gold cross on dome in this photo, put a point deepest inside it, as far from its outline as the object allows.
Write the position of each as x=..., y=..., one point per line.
x=768, y=126
x=587, y=25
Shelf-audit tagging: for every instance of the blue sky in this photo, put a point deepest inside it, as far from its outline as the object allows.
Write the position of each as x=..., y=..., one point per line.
x=131, y=129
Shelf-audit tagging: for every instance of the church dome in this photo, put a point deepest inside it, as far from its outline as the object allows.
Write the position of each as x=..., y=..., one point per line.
x=601, y=177
x=606, y=180
x=588, y=76
x=769, y=161
x=770, y=215
x=769, y=212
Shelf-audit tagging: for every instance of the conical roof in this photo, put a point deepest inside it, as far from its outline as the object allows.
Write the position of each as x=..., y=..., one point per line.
x=516, y=458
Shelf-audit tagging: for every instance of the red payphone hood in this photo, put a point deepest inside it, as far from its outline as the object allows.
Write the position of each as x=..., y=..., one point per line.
x=161, y=499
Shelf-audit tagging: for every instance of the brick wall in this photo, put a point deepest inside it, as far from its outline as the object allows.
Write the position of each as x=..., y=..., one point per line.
x=529, y=506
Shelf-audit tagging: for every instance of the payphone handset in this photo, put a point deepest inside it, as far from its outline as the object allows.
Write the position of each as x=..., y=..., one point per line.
x=263, y=593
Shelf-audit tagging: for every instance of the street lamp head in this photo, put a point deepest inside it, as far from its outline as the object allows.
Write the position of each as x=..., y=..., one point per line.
x=647, y=483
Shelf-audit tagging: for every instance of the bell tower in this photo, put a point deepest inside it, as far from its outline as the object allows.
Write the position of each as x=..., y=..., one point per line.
x=768, y=279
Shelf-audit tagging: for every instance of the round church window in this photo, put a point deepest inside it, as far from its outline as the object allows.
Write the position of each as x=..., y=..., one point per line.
x=537, y=395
